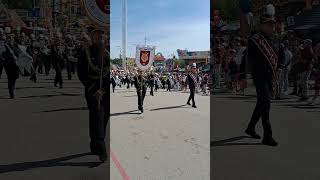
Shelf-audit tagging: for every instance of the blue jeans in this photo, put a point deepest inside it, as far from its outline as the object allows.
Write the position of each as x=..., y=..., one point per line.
x=284, y=82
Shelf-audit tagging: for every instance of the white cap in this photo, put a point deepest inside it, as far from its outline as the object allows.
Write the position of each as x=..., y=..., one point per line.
x=194, y=65
x=7, y=30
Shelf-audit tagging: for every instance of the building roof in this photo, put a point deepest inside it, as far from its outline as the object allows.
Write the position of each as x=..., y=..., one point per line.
x=185, y=54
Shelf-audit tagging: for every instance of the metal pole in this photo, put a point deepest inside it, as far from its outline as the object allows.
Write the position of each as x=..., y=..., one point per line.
x=124, y=34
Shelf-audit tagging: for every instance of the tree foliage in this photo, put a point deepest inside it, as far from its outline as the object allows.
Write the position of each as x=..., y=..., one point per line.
x=229, y=9
x=18, y=4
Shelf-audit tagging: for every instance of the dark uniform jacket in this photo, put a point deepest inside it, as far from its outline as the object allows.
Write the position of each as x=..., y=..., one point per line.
x=261, y=69
x=191, y=81
x=140, y=83
x=89, y=70
x=9, y=63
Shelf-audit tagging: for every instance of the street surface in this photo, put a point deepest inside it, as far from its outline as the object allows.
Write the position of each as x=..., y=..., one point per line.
x=235, y=156
x=44, y=132
x=44, y=135
x=169, y=141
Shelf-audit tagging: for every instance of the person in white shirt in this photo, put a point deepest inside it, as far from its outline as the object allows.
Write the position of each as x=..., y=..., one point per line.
x=285, y=72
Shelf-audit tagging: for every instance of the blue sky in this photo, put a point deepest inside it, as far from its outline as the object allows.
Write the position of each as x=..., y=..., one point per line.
x=167, y=24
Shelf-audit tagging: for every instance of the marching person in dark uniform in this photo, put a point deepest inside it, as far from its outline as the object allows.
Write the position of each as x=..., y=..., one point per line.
x=151, y=83
x=93, y=72
x=265, y=68
x=2, y=49
x=57, y=62
x=1, y=66
x=69, y=56
x=33, y=52
x=168, y=83
x=192, y=81
x=10, y=66
x=113, y=81
x=140, y=84
x=128, y=80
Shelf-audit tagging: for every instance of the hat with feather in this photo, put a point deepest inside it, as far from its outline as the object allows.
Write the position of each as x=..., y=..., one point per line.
x=268, y=15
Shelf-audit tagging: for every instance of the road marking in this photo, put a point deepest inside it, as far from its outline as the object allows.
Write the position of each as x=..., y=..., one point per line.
x=119, y=166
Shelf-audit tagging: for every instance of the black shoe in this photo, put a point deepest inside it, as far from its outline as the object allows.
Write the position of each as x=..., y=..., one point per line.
x=253, y=134
x=188, y=103
x=55, y=85
x=269, y=142
x=303, y=99
x=103, y=158
x=141, y=110
x=194, y=106
x=293, y=93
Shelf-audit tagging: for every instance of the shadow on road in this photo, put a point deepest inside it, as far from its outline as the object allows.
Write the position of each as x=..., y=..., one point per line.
x=125, y=113
x=301, y=106
x=48, y=163
x=170, y=107
x=64, y=109
x=18, y=88
x=49, y=95
x=231, y=142
x=237, y=97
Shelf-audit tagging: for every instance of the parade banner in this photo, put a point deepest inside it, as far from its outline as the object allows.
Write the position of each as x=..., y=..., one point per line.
x=98, y=11
x=145, y=57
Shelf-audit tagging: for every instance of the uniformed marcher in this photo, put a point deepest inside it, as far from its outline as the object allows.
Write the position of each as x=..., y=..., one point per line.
x=93, y=60
x=2, y=49
x=113, y=81
x=265, y=69
x=151, y=83
x=10, y=66
x=140, y=84
x=192, y=80
x=57, y=62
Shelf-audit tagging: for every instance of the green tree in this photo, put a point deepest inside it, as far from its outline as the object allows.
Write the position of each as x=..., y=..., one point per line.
x=116, y=61
x=18, y=4
x=229, y=9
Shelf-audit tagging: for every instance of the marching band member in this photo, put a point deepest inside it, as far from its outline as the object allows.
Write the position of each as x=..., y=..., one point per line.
x=2, y=49
x=140, y=84
x=93, y=72
x=192, y=80
x=264, y=69
x=10, y=66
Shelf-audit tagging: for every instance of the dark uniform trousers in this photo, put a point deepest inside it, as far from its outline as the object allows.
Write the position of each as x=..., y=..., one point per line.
x=11, y=86
x=1, y=67
x=151, y=89
x=58, y=68
x=262, y=109
x=141, y=95
x=71, y=68
x=98, y=120
x=191, y=96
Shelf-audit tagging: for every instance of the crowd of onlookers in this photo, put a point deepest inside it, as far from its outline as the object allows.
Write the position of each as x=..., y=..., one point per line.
x=176, y=81
x=301, y=59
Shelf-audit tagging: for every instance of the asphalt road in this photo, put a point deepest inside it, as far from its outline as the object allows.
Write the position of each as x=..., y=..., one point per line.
x=295, y=126
x=169, y=141
x=44, y=135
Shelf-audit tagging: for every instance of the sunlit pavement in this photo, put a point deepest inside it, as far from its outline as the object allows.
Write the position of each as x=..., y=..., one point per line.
x=295, y=126
x=44, y=132
x=170, y=140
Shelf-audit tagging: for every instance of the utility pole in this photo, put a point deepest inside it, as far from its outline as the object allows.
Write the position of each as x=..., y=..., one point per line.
x=124, y=34
x=53, y=14
x=145, y=40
